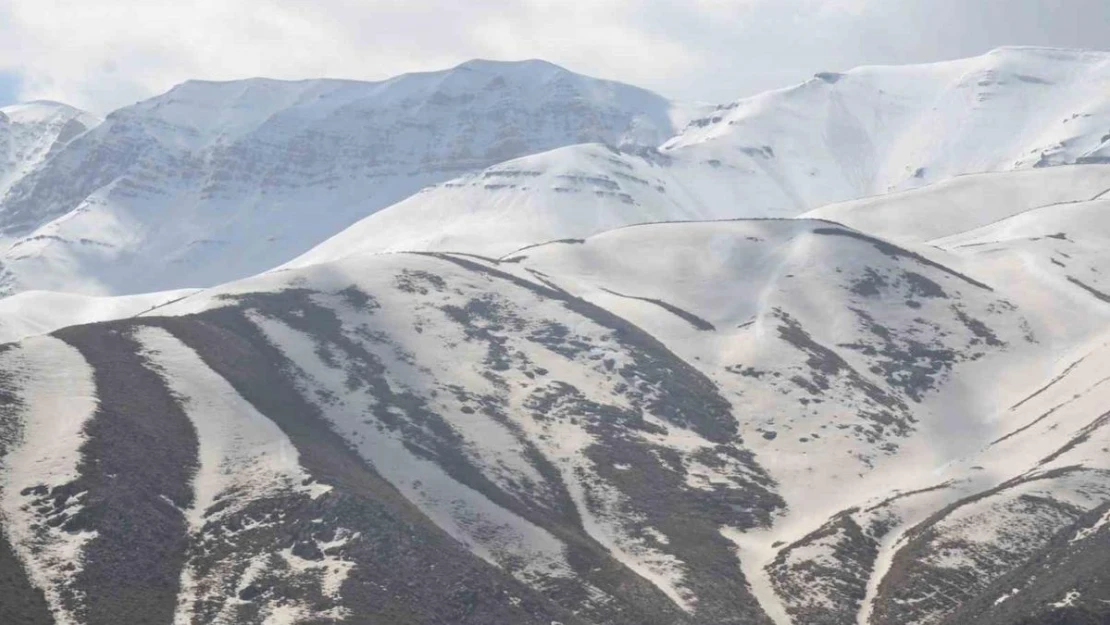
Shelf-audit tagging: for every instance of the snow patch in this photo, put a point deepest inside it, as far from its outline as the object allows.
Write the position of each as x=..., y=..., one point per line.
x=243, y=455
x=56, y=397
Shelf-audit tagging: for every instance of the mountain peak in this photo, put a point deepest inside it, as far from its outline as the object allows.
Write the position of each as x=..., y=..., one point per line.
x=31, y=131
x=317, y=154
x=497, y=65
x=37, y=111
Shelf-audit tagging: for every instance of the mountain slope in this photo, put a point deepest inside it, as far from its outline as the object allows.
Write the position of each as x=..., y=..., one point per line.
x=896, y=419
x=968, y=202
x=721, y=422
x=31, y=313
x=840, y=137
x=568, y=193
x=215, y=181
x=31, y=132
x=873, y=130
x=1041, y=232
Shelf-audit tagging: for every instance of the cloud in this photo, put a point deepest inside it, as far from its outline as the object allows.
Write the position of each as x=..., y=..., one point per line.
x=108, y=53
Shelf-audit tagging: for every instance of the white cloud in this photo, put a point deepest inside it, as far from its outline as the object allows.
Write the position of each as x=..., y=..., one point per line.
x=101, y=54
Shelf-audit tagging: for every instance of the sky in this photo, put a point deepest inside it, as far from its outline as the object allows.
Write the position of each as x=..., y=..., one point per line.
x=103, y=54
x=9, y=87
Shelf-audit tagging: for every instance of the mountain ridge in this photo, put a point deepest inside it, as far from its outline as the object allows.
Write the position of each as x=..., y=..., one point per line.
x=245, y=159
x=506, y=399
x=273, y=167
x=683, y=449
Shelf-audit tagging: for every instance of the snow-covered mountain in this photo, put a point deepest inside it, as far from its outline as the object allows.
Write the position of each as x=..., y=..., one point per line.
x=32, y=313
x=571, y=192
x=968, y=202
x=839, y=137
x=215, y=181
x=770, y=421
x=874, y=130
x=31, y=132
x=537, y=408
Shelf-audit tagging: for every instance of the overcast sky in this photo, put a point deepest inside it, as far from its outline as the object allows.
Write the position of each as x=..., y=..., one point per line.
x=102, y=54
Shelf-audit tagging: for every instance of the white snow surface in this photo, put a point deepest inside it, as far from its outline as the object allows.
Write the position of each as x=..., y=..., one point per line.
x=862, y=134
x=492, y=532
x=240, y=450
x=33, y=131
x=216, y=181
x=878, y=129
x=736, y=276
x=32, y=313
x=964, y=203
x=570, y=192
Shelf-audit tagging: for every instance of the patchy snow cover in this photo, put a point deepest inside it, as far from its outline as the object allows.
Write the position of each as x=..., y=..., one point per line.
x=1044, y=469
x=732, y=276
x=240, y=450
x=557, y=389
x=715, y=292
x=928, y=411
x=1052, y=263
x=756, y=550
x=54, y=399
x=244, y=457
x=901, y=427
x=495, y=534
x=1068, y=600
x=1087, y=532
x=746, y=302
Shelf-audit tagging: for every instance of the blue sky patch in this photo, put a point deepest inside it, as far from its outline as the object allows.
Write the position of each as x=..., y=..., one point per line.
x=9, y=87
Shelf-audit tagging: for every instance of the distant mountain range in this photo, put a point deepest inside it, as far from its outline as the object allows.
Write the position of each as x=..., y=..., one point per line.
x=217, y=181
x=508, y=345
